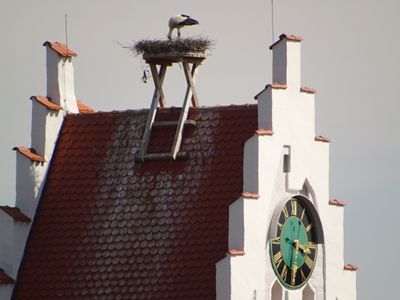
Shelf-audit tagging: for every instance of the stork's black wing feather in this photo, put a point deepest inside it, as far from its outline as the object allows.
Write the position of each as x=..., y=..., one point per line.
x=188, y=21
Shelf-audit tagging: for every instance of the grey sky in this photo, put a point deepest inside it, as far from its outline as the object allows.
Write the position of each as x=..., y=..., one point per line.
x=350, y=54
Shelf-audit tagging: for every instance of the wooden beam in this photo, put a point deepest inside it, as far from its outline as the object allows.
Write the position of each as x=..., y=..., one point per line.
x=159, y=78
x=189, y=75
x=190, y=92
x=157, y=156
x=173, y=123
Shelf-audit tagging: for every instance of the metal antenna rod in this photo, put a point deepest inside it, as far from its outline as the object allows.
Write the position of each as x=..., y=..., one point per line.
x=272, y=21
x=66, y=52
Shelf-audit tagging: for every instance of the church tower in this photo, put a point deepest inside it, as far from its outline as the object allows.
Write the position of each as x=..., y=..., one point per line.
x=285, y=233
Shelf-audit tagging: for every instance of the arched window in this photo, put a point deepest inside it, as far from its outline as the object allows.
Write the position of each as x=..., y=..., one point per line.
x=308, y=293
x=276, y=291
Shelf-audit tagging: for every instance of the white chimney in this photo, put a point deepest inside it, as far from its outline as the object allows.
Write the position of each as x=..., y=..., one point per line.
x=60, y=76
x=286, y=68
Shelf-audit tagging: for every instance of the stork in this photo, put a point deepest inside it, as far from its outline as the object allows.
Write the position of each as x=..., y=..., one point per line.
x=179, y=21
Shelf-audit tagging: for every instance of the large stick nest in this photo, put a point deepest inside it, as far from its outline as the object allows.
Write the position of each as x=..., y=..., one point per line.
x=185, y=45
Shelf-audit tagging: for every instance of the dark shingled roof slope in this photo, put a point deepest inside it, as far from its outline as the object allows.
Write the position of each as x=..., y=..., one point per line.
x=109, y=227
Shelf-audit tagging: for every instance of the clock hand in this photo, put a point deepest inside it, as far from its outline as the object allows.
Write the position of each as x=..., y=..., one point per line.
x=294, y=267
x=304, y=249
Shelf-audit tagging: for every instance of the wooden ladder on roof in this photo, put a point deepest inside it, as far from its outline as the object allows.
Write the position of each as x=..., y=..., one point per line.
x=158, y=74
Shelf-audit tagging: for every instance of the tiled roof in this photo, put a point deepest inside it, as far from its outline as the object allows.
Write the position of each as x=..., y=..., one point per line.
x=60, y=49
x=46, y=102
x=29, y=153
x=15, y=213
x=109, y=227
x=4, y=278
x=83, y=108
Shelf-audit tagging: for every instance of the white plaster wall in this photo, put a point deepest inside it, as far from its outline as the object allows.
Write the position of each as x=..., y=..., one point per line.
x=29, y=183
x=60, y=81
x=38, y=129
x=46, y=125
x=6, y=242
x=236, y=225
x=223, y=278
x=20, y=234
x=6, y=291
x=348, y=291
x=286, y=65
x=12, y=243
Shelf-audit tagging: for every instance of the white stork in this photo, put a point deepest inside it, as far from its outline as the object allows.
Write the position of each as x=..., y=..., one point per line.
x=179, y=21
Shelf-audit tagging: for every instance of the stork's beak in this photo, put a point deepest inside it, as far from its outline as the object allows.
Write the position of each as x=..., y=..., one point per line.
x=188, y=22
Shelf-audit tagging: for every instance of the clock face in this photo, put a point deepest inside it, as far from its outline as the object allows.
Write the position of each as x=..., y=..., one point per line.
x=294, y=250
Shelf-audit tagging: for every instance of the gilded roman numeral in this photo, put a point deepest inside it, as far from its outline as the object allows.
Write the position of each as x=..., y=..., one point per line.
x=303, y=277
x=309, y=262
x=277, y=257
x=308, y=228
x=284, y=272
x=286, y=213
x=312, y=245
x=302, y=214
x=276, y=241
x=280, y=225
x=294, y=207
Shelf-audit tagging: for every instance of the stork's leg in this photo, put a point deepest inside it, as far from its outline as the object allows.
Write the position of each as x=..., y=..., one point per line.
x=179, y=33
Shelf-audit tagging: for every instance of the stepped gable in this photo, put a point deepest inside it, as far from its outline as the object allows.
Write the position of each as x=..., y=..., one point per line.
x=108, y=226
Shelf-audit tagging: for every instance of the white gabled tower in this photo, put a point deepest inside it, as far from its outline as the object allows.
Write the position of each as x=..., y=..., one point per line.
x=283, y=159
x=32, y=163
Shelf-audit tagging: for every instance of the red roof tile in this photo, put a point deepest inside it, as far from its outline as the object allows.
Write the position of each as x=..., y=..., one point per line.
x=4, y=278
x=236, y=252
x=29, y=153
x=46, y=101
x=83, y=108
x=276, y=86
x=308, y=90
x=250, y=195
x=15, y=213
x=288, y=37
x=321, y=138
x=60, y=49
x=110, y=227
x=350, y=267
x=337, y=202
x=264, y=132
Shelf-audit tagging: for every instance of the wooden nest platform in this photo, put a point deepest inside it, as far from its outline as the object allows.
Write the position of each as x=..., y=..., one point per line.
x=170, y=51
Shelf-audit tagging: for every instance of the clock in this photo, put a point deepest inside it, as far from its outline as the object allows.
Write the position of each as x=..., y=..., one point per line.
x=294, y=248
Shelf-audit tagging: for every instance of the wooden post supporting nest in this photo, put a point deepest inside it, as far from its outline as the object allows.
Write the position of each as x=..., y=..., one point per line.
x=158, y=74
